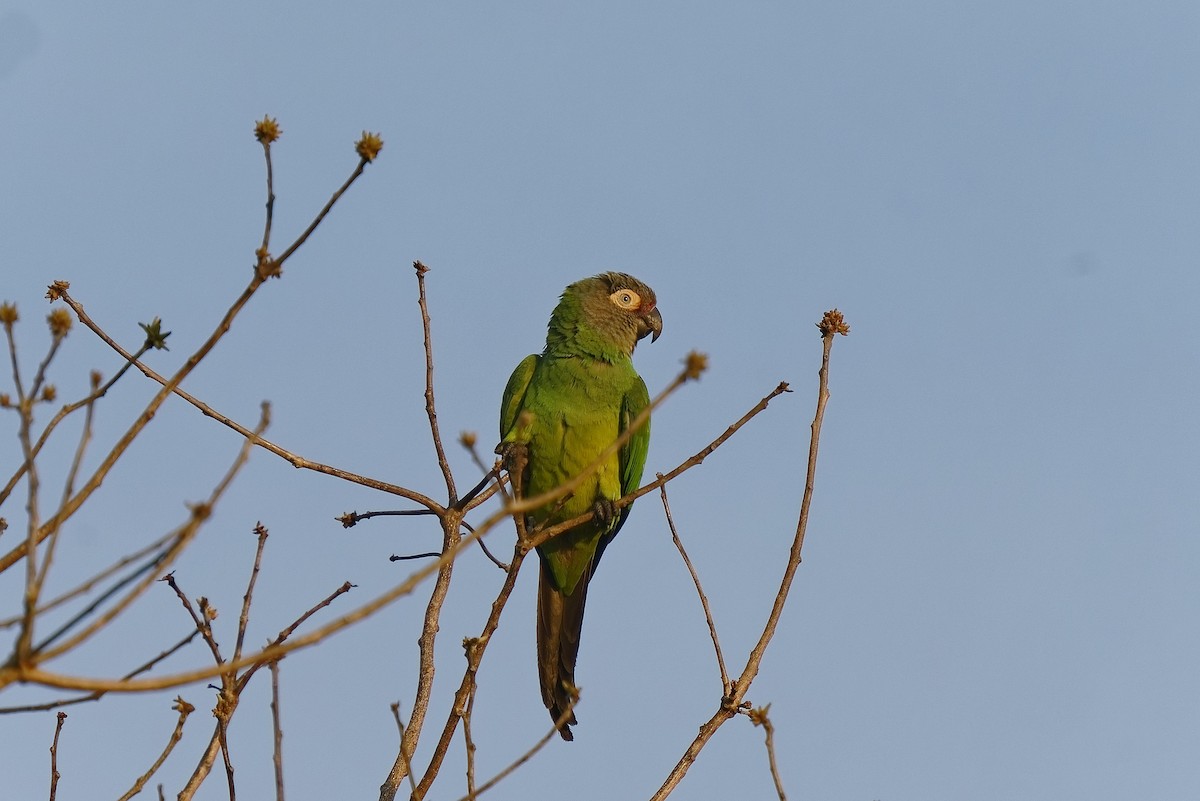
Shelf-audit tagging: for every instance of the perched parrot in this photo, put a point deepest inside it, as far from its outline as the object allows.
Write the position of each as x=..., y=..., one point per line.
x=566, y=407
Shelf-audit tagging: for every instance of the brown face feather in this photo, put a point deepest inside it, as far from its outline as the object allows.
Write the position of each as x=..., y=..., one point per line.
x=604, y=315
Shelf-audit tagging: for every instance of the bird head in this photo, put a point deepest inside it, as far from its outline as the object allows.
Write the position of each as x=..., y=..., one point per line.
x=604, y=316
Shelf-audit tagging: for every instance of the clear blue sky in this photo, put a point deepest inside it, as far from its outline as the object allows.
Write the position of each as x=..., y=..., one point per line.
x=998, y=599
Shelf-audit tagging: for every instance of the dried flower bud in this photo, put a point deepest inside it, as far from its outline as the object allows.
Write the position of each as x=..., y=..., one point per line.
x=8, y=314
x=60, y=322
x=156, y=338
x=833, y=323
x=467, y=439
x=56, y=290
x=49, y=393
x=267, y=130
x=368, y=146
x=695, y=364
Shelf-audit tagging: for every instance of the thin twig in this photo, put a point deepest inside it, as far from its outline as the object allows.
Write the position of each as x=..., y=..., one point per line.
x=54, y=774
x=65, y=411
x=474, y=653
x=182, y=537
x=87, y=585
x=404, y=757
x=732, y=703
x=201, y=620
x=430, y=406
x=99, y=601
x=263, y=271
x=300, y=240
x=474, y=649
x=408, y=557
x=184, y=709
x=759, y=718
x=352, y=519
x=486, y=551
x=85, y=437
x=468, y=741
x=24, y=645
x=260, y=531
x=270, y=215
x=291, y=458
x=93, y=696
x=406, y=587
x=528, y=755
x=712, y=628
x=68, y=509
x=277, y=731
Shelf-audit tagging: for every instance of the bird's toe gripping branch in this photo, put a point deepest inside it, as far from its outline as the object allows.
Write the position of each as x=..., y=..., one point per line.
x=605, y=510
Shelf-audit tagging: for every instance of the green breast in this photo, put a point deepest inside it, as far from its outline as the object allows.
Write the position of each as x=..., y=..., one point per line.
x=576, y=409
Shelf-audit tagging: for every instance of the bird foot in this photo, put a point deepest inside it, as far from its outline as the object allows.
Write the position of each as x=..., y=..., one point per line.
x=605, y=511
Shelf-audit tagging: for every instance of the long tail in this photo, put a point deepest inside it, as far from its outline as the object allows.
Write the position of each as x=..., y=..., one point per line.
x=560, y=619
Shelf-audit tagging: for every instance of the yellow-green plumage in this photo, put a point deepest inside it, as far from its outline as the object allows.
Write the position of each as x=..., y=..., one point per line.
x=567, y=406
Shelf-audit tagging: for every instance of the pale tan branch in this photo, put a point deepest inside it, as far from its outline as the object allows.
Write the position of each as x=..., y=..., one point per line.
x=300, y=240
x=94, y=696
x=528, y=755
x=87, y=585
x=179, y=539
x=62, y=413
x=404, y=756
x=759, y=717
x=430, y=405
x=184, y=709
x=97, y=478
x=54, y=774
x=712, y=627
x=293, y=459
x=277, y=732
x=260, y=531
x=733, y=702
x=51, y=679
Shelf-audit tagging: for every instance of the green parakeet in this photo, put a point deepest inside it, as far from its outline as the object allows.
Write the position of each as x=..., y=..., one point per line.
x=566, y=406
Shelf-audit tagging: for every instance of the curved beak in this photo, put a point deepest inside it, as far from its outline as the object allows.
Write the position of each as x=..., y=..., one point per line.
x=650, y=324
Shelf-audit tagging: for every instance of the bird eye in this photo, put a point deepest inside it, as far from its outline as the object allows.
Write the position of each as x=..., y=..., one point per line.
x=626, y=299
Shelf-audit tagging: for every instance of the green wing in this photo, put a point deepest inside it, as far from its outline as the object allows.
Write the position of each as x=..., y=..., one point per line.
x=632, y=456
x=514, y=396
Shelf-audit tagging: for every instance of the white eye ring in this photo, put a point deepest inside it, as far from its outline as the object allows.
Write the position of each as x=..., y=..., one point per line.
x=626, y=299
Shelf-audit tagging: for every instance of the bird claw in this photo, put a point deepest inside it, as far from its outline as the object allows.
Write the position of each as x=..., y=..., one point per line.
x=605, y=511
x=512, y=453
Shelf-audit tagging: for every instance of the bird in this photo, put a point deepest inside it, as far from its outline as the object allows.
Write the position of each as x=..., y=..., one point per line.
x=566, y=406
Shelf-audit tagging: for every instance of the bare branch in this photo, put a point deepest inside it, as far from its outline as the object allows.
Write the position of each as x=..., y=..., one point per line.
x=404, y=756
x=260, y=532
x=54, y=774
x=184, y=709
x=406, y=587
x=759, y=718
x=181, y=538
x=712, y=628
x=93, y=696
x=430, y=406
x=277, y=731
x=292, y=458
x=64, y=412
x=732, y=703
x=300, y=240
x=528, y=755
x=87, y=585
